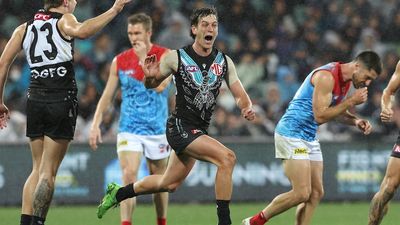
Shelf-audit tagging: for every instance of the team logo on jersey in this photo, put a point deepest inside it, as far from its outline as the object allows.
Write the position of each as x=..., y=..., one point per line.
x=195, y=131
x=191, y=69
x=216, y=69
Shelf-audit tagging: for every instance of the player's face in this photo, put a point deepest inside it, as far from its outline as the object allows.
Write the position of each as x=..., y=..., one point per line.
x=362, y=77
x=206, y=31
x=137, y=32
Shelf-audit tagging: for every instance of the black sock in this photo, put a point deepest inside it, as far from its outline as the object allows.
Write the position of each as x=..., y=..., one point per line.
x=125, y=193
x=224, y=217
x=26, y=219
x=37, y=220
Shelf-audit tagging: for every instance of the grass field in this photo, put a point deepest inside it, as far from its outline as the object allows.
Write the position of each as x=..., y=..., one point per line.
x=204, y=214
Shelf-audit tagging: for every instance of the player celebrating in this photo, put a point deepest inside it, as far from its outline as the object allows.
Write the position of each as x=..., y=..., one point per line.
x=199, y=70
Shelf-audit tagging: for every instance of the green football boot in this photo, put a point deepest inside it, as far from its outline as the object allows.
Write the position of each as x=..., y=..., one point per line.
x=109, y=199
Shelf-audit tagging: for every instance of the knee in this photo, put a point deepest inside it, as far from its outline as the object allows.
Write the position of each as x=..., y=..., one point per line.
x=317, y=194
x=129, y=176
x=173, y=187
x=302, y=195
x=228, y=160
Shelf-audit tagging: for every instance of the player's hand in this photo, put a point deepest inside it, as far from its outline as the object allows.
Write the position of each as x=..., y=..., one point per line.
x=95, y=134
x=364, y=126
x=140, y=50
x=386, y=115
x=248, y=113
x=119, y=4
x=4, y=116
x=360, y=96
x=151, y=66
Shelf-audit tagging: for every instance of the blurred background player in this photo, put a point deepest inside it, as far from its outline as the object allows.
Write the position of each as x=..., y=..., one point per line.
x=47, y=41
x=320, y=99
x=391, y=181
x=199, y=70
x=144, y=114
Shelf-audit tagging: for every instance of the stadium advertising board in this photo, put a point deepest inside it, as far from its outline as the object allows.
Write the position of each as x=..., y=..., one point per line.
x=352, y=171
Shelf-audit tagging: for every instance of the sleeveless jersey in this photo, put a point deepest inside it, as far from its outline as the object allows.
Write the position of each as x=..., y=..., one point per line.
x=198, y=80
x=143, y=111
x=48, y=53
x=298, y=120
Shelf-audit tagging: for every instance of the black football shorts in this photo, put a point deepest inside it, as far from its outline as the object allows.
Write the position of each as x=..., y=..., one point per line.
x=52, y=115
x=180, y=134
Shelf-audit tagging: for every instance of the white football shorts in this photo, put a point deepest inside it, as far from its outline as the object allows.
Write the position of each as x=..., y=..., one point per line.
x=295, y=148
x=153, y=147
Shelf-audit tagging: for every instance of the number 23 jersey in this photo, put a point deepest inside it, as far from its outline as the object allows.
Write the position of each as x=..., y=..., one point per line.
x=48, y=53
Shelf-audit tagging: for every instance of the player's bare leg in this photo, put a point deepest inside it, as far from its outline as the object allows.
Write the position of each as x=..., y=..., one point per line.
x=129, y=162
x=160, y=199
x=36, y=146
x=208, y=149
x=53, y=154
x=299, y=175
x=390, y=183
x=305, y=210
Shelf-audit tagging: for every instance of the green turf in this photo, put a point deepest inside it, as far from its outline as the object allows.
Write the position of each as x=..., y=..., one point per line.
x=204, y=214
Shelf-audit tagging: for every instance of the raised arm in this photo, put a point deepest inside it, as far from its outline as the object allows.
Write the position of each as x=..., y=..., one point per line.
x=235, y=86
x=323, y=85
x=156, y=72
x=7, y=57
x=69, y=25
x=104, y=103
x=388, y=94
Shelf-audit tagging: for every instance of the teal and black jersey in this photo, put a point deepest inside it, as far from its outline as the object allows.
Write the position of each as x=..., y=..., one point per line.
x=198, y=80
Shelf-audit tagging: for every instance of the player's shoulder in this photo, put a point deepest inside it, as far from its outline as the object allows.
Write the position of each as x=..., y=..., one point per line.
x=126, y=53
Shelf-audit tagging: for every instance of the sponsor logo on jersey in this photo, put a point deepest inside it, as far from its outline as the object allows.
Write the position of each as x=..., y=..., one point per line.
x=191, y=69
x=127, y=72
x=40, y=16
x=49, y=72
x=216, y=69
x=300, y=151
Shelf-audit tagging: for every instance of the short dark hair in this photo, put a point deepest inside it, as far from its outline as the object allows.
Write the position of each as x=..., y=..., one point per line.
x=197, y=14
x=371, y=60
x=48, y=4
x=143, y=19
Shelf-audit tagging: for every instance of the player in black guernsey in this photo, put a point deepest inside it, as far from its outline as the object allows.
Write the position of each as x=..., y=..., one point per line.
x=198, y=71
x=51, y=110
x=390, y=112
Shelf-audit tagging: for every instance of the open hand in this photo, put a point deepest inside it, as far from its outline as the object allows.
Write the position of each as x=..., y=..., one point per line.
x=151, y=66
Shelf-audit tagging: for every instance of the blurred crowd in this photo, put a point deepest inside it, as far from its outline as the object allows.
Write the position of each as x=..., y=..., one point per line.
x=274, y=44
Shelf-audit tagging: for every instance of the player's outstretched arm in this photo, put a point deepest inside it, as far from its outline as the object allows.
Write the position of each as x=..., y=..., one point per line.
x=7, y=57
x=242, y=98
x=156, y=72
x=69, y=25
x=104, y=103
x=388, y=94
